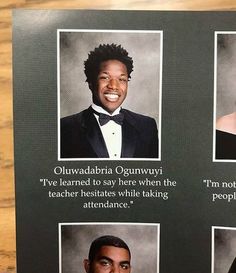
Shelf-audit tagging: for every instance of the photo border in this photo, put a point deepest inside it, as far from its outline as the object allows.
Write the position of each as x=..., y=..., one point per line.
x=213, y=228
x=214, y=159
x=108, y=223
x=160, y=94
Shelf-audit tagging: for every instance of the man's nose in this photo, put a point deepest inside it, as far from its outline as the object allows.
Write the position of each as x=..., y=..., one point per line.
x=113, y=84
x=115, y=269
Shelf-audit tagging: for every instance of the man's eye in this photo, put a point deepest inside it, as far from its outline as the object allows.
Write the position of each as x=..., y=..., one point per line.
x=104, y=78
x=125, y=266
x=104, y=263
x=123, y=80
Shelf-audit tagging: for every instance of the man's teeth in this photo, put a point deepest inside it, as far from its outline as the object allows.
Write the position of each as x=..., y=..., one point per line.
x=111, y=96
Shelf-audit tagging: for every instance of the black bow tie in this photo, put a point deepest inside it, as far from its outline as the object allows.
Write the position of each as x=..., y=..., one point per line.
x=103, y=118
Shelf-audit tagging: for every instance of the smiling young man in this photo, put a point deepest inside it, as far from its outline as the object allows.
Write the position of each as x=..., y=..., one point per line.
x=105, y=130
x=108, y=254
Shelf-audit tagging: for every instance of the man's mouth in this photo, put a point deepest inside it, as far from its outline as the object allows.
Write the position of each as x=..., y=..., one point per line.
x=112, y=97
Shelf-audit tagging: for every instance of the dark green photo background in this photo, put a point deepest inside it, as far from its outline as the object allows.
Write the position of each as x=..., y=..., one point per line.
x=187, y=135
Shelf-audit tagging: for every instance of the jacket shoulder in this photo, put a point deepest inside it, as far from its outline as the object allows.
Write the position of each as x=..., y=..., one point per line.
x=75, y=118
x=137, y=117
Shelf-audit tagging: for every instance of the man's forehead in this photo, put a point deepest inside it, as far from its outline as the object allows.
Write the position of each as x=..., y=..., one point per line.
x=113, y=252
x=113, y=63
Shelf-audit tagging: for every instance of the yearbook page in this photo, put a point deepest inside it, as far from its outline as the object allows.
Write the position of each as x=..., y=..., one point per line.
x=125, y=146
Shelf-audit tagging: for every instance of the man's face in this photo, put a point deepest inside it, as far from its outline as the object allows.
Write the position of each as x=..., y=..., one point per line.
x=109, y=259
x=111, y=86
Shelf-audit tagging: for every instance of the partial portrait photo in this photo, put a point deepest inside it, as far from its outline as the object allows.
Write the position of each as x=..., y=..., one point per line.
x=109, y=247
x=223, y=250
x=109, y=94
x=225, y=97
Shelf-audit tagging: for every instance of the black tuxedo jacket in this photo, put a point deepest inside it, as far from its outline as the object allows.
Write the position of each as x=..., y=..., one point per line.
x=233, y=267
x=81, y=136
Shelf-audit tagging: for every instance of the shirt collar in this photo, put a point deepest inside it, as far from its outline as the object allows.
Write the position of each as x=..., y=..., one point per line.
x=101, y=110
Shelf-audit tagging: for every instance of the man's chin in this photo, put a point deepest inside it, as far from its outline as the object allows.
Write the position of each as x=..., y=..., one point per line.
x=112, y=109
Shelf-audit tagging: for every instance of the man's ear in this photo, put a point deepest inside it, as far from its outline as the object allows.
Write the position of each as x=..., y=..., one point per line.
x=86, y=265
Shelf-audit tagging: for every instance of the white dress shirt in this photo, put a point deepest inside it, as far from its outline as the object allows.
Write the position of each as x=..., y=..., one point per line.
x=111, y=132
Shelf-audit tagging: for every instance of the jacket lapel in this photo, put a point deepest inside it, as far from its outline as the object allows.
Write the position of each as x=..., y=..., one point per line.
x=94, y=134
x=95, y=138
x=129, y=136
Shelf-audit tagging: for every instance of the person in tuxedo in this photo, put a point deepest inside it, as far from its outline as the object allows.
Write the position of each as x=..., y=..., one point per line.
x=105, y=129
x=108, y=254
